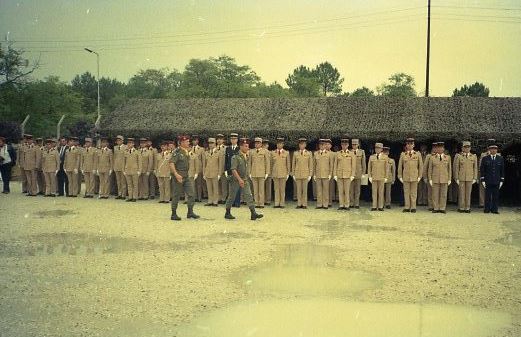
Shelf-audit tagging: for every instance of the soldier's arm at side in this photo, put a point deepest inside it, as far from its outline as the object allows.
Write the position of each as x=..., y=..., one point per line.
x=420, y=166
x=353, y=165
x=400, y=166
x=482, y=169
x=288, y=163
x=364, y=163
x=455, y=172
x=369, y=168
x=475, y=169
x=429, y=170
x=450, y=170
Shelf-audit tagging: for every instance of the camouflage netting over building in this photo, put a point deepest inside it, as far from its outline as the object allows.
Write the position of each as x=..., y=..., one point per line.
x=391, y=119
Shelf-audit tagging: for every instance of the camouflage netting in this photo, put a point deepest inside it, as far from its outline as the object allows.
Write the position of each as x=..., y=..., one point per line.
x=391, y=119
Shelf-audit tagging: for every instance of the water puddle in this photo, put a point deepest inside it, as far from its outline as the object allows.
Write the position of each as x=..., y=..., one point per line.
x=307, y=270
x=333, y=317
x=56, y=213
x=80, y=244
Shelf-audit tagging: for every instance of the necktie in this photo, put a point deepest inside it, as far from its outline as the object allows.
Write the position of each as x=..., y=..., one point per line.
x=440, y=157
x=378, y=156
x=301, y=152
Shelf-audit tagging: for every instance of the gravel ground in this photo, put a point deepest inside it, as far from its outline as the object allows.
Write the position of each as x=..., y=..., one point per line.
x=89, y=267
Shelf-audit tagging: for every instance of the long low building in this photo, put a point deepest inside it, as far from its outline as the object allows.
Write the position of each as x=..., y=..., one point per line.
x=378, y=118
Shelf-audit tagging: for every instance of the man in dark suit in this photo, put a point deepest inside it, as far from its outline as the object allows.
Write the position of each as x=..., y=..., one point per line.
x=7, y=161
x=62, y=177
x=492, y=170
x=232, y=150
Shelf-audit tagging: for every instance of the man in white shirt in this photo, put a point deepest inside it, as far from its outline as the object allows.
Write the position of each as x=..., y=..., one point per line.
x=7, y=161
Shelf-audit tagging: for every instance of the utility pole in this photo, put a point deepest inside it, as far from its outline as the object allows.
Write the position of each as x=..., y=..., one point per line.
x=428, y=48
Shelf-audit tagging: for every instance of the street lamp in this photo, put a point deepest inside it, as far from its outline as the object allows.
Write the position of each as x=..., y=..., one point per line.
x=96, y=124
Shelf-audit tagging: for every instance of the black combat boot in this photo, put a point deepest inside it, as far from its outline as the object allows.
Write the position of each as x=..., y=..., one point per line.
x=255, y=215
x=174, y=215
x=191, y=214
x=228, y=214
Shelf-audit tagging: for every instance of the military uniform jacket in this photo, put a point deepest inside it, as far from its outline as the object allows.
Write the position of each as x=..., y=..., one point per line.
x=425, y=173
x=199, y=152
x=344, y=164
x=132, y=161
x=465, y=167
x=378, y=166
x=195, y=164
x=361, y=165
x=213, y=163
x=280, y=163
x=240, y=164
x=391, y=170
x=119, y=157
x=163, y=164
x=229, y=153
x=302, y=164
x=105, y=160
x=324, y=163
x=89, y=159
x=147, y=160
x=440, y=169
x=410, y=166
x=32, y=157
x=221, y=149
x=153, y=153
x=50, y=160
x=181, y=159
x=72, y=159
x=492, y=171
x=259, y=162
x=20, y=155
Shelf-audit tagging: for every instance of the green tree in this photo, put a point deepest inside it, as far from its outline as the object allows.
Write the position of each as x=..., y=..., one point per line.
x=474, y=90
x=399, y=85
x=329, y=79
x=14, y=67
x=303, y=82
x=152, y=83
x=362, y=92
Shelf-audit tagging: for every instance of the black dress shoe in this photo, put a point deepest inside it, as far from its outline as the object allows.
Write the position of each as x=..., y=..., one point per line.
x=467, y=211
x=495, y=212
x=405, y=210
x=413, y=210
x=380, y=209
x=434, y=211
x=357, y=207
x=373, y=209
x=486, y=211
x=443, y=211
x=259, y=206
x=304, y=207
x=208, y=204
x=388, y=206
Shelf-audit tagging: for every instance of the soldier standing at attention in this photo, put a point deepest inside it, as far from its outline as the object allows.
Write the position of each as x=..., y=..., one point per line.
x=32, y=160
x=481, y=187
x=80, y=152
x=377, y=170
x=440, y=176
x=280, y=169
x=344, y=168
x=492, y=177
x=200, y=185
x=465, y=174
x=268, y=191
x=20, y=152
x=259, y=164
x=152, y=179
x=119, y=164
x=39, y=173
x=422, y=185
x=104, y=168
x=147, y=161
x=323, y=170
x=361, y=167
x=181, y=183
x=162, y=172
x=239, y=179
x=332, y=187
x=410, y=168
x=223, y=183
x=231, y=150
x=132, y=170
x=212, y=167
x=302, y=171
x=88, y=166
x=71, y=166
x=50, y=167
x=391, y=177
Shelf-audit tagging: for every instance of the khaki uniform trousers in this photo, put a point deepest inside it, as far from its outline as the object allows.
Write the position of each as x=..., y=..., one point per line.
x=104, y=184
x=356, y=184
x=439, y=196
x=89, y=183
x=302, y=192
x=212, y=186
x=50, y=183
x=121, y=182
x=32, y=181
x=410, y=193
x=322, y=192
x=132, y=186
x=280, y=191
x=344, y=192
x=258, y=191
x=377, y=189
x=464, y=197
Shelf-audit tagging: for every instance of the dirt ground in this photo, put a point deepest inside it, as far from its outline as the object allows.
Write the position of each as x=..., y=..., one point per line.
x=89, y=267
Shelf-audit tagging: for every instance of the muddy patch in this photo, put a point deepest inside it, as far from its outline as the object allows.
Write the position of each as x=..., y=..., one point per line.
x=55, y=213
x=81, y=244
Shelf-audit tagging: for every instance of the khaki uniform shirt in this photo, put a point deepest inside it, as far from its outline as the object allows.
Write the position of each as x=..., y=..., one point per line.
x=119, y=157
x=391, y=170
x=302, y=164
x=162, y=164
x=280, y=163
x=259, y=162
x=361, y=165
x=147, y=160
x=465, y=167
x=378, y=166
x=324, y=163
x=89, y=159
x=32, y=157
x=132, y=164
x=105, y=160
x=50, y=160
x=72, y=159
x=213, y=163
x=440, y=169
x=410, y=166
x=344, y=164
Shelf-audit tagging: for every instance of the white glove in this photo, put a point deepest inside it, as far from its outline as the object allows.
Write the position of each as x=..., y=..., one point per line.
x=457, y=181
x=329, y=177
x=195, y=176
x=266, y=176
x=75, y=171
x=385, y=180
x=218, y=177
x=82, y=172
x=204, y=177
x=352, y=178
x=314, y=178
x=148, y=173
x=110, y=172
x=226, y=174
x=419, y=178
x=55, y=172
x=430, y=182
x=484, y=185
x=170, y=178
x=138, y=173
x=401, y=180
x=449, y=182
x=287, y=177
x=500, y=184
x=250, y=176
x=124, y=173
x=371, y=180
x=336, y=178
x=309, y=178
x=473, y=181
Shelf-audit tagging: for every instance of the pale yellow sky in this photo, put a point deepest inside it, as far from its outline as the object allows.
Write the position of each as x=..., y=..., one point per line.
x=366, y=40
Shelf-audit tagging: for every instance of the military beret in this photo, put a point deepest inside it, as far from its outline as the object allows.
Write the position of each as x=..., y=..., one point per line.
x=211, y=140
x=220, y=135
x=355, y=141
x=88, y=140
x=409, y=140
x=183, y=138
x=379, y=145
x=466, y=143
x=302, y=140
x=234, y=135
x=120, y=137
x=258, y=140
x=280, y=139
